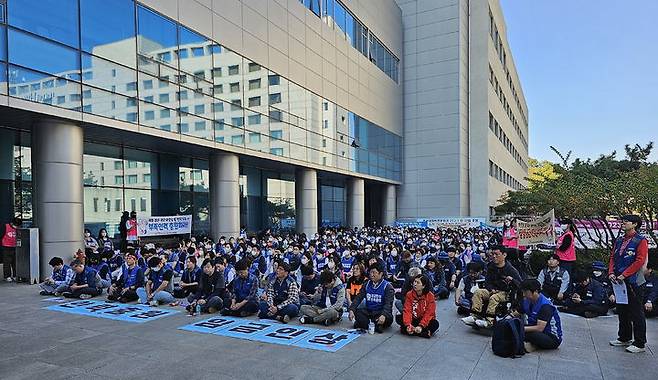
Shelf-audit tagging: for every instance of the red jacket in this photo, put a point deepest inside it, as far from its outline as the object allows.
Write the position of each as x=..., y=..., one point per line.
x=417, y=307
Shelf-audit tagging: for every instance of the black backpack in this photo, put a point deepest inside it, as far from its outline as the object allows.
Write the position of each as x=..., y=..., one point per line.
x=507, y=339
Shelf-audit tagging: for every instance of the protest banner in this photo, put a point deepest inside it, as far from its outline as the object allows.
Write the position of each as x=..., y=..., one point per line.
x=538, y=231
x=164, y=225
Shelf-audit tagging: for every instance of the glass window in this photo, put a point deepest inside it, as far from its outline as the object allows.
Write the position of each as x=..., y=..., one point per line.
x=54, y=19
x=237, y=121
x=253, y=67
x=349, y=28
x=277, y=134
x=254, y=84
x=340, y=13
x=274, y=80
x=42, y=55
x=157, y=33
x=200, y=126
x=254, y=101
x=275, y=98
x=218, y=107
x=163, y=98
x=254, y=137
x=234, y=70
x=235, y=87
x=149, y=115
x=105, y=22
x=199, y=109
x=254, y=119
x=237, y=140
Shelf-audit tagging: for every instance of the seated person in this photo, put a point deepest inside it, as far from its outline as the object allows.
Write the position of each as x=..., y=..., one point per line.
x=115, y=261
x=419, y=314
x=347, y=261
x=103, y=269
x=378, y=295
x=449, y=270
x=554, y=280
x=327, y=307
x=406, y=287
x=600, y=274
x=86, y=283
x=456, y=262
x=243, y=297
x=131, y=279
x=436, y=275
x=543, y=327
x=282, y=301
x=212, y=290
x=587, y=297
x=402, y=268
x=310, y=285
x=355, y=282
x=59, y=281
x=500, y=279
x=650, y=288
x=468, y=284
x=189, y=280
x=160, y=284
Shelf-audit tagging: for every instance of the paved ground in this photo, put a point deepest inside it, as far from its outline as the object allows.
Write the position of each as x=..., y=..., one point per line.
x=40, y=344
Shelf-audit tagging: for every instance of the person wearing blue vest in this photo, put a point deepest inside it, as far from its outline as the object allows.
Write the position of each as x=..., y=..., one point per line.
x=115, y=261
x=449, y=270
x=650, y=291
x=282, y=301
x=243, y=293
x=543, y=328
x=436, y=275
x=626, y=267
x=59, y=281
x=160, y=284
x=309, y=286
x=347, y=260
x=100, y=266
x=378, y=295
x=131, y=279
x=189, y=280
x=467, y=286
x=327, y=307
x=86, y=283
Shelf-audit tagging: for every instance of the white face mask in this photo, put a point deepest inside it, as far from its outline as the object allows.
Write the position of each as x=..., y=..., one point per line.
x=304, y=260
x=156, y=269
x=331, y=265
x=394, y=253
x=597, y=273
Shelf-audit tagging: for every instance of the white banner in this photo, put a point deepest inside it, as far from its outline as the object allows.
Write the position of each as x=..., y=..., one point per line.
x=538, y=231
x=164, y=225
x=455, y=222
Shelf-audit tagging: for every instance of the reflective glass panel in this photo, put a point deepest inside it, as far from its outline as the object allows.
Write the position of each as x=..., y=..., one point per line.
x=108, y=29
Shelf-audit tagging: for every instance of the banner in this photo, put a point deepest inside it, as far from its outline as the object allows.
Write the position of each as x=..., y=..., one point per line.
x=441, y=223
x=164, y=225
x=538, y=231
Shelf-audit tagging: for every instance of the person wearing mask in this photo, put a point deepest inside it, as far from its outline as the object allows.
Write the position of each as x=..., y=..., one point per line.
x=406, y=287
x=543, y=328
x=566, y=246
x=402, y=269
x=419, y=314
x=627, y=261
x=327, y=306
x=105, y=244
x=222, y=265
x=132, y=278
x=100, y=266
x=501, y=278
x=115, y=261
x=600, y=274
x=160, y=285
x=59, y=280
x=554, y=279
x=378, y=295
x=131, y=229
x=468, y=284
x=90, y=242
x=310, y=285
x=437, y=279
x=449, y=270
x=282, y=301
x=85, y=282
x=189, y=281
x=212, y=290
x=243, y=296
x=587, y=298
x=355, y=282
x=456, y=262
x=8, y=248
x=347, y=261
x=650, y=291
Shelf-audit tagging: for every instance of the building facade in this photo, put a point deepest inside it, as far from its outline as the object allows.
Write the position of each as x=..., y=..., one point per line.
x=283, y=114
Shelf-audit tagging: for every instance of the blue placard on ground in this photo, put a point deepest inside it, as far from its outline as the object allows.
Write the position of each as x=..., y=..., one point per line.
x=283, y=334
x=118, y=312
x=247, y=329
x=326, y=340
x=211, y=325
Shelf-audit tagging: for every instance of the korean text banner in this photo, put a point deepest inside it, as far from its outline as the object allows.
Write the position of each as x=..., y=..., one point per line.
x=538, y=231
x=164, y=225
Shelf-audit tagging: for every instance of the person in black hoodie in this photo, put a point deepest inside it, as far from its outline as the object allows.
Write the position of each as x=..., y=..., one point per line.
x=586, y=297
x=651, y=291
x=212, y=290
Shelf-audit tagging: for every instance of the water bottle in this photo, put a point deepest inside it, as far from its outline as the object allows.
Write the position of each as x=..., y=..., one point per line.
x=371, y=327
x=197, y=310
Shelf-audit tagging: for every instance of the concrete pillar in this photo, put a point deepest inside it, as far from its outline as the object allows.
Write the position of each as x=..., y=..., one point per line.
x=57, y=148
x=389, y=204
x=225, y=195
x=356, y=202
x=306, y=201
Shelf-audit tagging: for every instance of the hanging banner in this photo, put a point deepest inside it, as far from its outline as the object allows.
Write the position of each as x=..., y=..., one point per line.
x=538, y=231
x=164, y=225
x=441, y=223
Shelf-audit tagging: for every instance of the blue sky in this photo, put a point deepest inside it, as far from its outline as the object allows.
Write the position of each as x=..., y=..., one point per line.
x=589, y=72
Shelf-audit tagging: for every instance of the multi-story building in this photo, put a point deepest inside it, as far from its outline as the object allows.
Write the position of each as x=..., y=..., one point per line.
x=253, y=113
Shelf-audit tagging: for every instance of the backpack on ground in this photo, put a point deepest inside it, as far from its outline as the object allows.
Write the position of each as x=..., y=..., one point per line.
x=507, y=339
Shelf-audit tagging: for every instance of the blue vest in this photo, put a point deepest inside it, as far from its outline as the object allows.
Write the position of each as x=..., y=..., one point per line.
x=375, y=296
x=129, y=276
x=392, y=264
x=468, y=284
x=320, y=263
x=115, y=262
x=158, y=277
x=60, y=275
x=623, y=260
x=242, y=287
x=281, y=289
x=333, y=296
x=554, y=326
x=191, y=276
x=99, y=268
x=227, y=270
x=347, y=263
x=87, y=277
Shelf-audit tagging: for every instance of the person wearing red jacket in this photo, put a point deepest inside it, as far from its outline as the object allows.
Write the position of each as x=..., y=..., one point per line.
x=419, y=312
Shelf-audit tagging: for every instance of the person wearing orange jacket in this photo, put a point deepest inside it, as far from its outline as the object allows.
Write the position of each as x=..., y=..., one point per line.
x=419, y=314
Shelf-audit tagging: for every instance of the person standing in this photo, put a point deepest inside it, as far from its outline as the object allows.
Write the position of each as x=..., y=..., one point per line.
x=566, y=247
x=131, y=229
x=627, y=261
x=123, y=231
x=9, y=248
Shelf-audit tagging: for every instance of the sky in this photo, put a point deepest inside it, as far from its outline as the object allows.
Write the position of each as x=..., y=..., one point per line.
x=589, y=73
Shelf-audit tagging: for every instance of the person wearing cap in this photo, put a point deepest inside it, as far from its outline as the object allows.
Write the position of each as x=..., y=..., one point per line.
x=378, y=295
x=282, y=296
x=626, y=266
x=131, y=279
x=554, y=279
x=586, y=298
x=212, y=289
x=600, y=274
x=160, y=284
x=86, y=283
x=566, y=247
x=327, y=306
x=449, y=270
x=243, y=292
x=650, y=289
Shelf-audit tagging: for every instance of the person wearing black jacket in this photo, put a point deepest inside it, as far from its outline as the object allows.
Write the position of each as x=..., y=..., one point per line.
x=651, y=291
x=501, y=278
x=212, y=289
x=586, y=298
